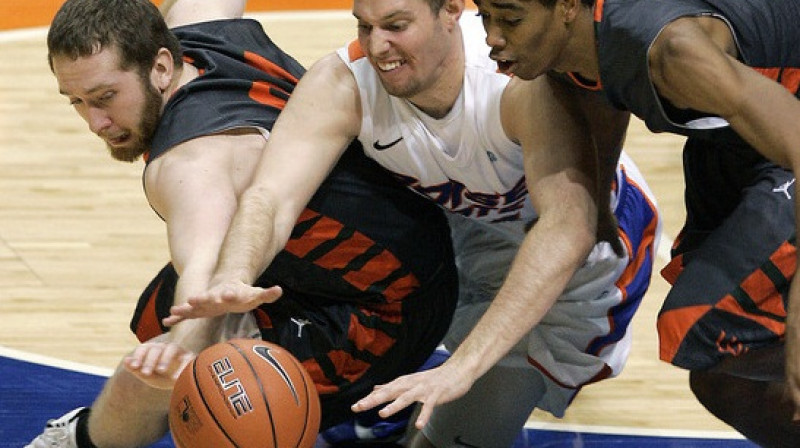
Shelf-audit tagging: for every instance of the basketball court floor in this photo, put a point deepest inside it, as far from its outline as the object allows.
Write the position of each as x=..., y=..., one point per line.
x=78, y=242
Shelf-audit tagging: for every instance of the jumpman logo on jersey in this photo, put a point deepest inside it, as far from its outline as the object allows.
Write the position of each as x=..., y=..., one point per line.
x=300, y=324
x=784, y=188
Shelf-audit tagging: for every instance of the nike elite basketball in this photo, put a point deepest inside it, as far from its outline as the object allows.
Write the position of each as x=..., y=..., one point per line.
x=244, y=393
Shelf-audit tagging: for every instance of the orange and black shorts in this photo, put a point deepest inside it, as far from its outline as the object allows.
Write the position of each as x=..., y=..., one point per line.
x=348, y=347
x=730, y=282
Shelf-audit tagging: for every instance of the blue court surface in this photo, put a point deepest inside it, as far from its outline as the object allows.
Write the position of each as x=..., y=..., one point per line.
x=35, y=389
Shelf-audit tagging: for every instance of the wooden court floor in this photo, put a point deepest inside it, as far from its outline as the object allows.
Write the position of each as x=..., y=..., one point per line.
x=78, y=241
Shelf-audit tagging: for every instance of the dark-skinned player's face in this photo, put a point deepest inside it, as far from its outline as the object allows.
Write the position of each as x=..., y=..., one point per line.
x=526, y=37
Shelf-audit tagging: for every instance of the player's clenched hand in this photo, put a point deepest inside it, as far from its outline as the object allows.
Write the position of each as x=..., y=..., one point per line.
x=230, y=297
x=158, y=364
x=431, y=388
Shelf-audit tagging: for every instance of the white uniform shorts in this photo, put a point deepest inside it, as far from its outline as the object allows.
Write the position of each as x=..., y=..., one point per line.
x=584, y=337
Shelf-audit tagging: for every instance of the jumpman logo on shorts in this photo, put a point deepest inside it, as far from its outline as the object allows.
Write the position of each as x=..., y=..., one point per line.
x=300, y=324
x=784, y=188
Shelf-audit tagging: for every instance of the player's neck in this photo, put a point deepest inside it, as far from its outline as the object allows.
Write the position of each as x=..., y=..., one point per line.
x=580, y=55
x=182, y=76
x=439, y=98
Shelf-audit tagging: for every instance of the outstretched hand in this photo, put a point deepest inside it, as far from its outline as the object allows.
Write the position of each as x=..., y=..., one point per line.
x=431, y=388
x=158, y=364
x=230, y=297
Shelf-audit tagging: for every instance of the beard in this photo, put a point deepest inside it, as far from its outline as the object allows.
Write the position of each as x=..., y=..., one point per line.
x=143, y=137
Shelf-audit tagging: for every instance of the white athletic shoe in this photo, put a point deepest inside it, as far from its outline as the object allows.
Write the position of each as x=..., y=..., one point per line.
x=59, y=433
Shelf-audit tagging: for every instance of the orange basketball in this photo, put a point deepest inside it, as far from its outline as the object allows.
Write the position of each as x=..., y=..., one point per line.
x=244, y=393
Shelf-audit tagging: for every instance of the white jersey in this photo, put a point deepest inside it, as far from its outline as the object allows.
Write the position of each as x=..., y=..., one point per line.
x=467, y=164
x=464, y=161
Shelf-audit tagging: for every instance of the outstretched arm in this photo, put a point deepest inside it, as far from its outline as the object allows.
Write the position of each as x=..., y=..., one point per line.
x=194, y=189
x=560, y=168
x=694, y=65
x=304, y=145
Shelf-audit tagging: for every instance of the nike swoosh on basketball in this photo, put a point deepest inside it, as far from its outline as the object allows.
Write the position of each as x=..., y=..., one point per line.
x=378, y=147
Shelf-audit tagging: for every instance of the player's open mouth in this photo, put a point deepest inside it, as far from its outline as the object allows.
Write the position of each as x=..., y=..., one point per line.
x=389, y=66
x=504, y=66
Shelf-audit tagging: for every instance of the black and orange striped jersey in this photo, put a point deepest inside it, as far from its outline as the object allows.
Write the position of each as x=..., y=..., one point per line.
x=368, y=274
x=363, y=235
x=244, y=81
x=736, y=254
x=765, y=33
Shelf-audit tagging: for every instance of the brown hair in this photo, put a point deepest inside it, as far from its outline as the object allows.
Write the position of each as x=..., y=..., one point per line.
x=135, y=27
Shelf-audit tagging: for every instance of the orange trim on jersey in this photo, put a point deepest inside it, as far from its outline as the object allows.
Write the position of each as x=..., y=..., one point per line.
x=785, y=259
x=346, y=366
x=306, y=215
x=345, y=252
x=262, y=319
x=598, y=10
x=369, y=339
x=387, y=312
x=268, y=66
x=789, y=77
x=401, y=288
x=262, y=92
x=148, y=326
x=673, y=269
x=376, y=269
x=321, y=382
x=325, y=229
x=646, y=244
x=762, y=292
x=772, y=302
x=354, y=51
x=672, y=328
x=598, y=86
x=629, y=274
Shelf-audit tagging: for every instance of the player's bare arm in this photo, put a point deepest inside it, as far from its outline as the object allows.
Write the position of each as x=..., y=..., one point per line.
x=693, y=65
x=195, y=191
x=560, y=171
x=282, y=186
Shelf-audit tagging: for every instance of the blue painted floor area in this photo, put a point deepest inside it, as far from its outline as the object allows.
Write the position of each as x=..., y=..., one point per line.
x=31, y=393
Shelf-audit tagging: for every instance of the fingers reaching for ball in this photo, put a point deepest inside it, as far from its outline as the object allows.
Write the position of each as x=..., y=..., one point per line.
x=158, y=363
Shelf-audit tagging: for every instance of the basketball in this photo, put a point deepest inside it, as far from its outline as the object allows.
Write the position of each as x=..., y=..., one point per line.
x=244, y=393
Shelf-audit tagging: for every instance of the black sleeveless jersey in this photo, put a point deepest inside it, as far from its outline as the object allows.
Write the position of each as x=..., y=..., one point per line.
x=363, y=236
x=766, y=34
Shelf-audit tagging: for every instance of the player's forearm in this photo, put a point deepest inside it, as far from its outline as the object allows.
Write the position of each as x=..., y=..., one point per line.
x=258, y=232
x=543, y=266
x=767, y=119
x=197, y=334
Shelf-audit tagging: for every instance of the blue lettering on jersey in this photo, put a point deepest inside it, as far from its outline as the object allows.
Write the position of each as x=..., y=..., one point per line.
x=455, y=196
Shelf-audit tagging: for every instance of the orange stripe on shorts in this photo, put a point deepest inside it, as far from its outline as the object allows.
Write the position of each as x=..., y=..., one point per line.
x=673, y=326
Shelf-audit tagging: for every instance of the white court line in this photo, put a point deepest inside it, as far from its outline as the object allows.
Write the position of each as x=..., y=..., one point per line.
x=54, y=362
x=634, y=431
x=561, y=427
